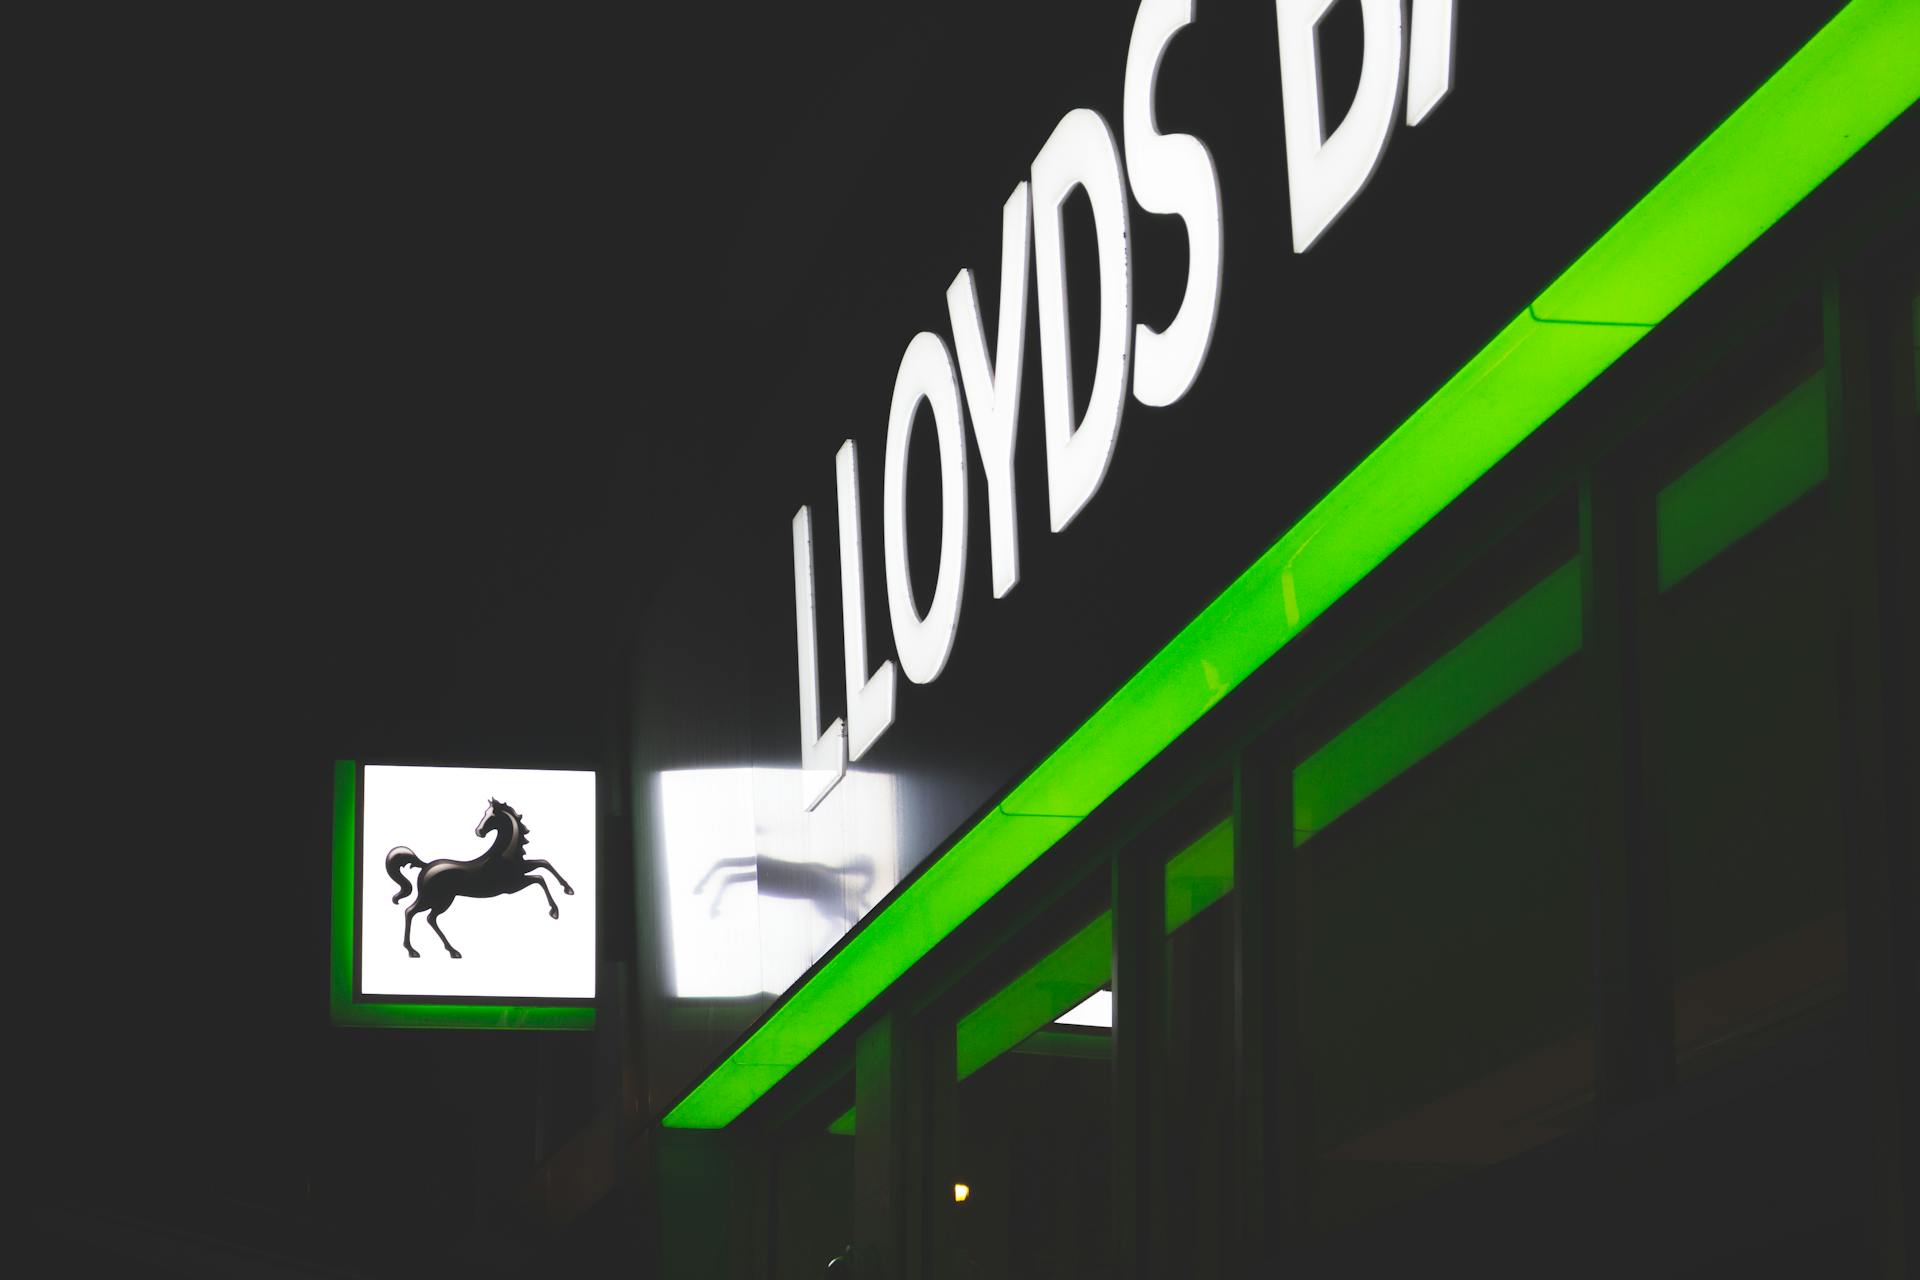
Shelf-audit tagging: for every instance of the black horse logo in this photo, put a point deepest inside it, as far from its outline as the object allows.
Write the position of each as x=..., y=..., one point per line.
x=503, y=868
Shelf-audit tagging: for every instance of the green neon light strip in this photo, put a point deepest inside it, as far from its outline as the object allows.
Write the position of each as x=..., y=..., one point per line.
x=1743, y=483
x=1518, y=645
x=1841, y=89
x=347, y=1012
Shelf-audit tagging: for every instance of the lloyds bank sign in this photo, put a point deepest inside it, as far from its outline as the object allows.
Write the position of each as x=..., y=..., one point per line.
x=1171, y=174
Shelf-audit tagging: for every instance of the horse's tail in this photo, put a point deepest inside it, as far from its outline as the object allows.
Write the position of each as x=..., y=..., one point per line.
x=397, y=857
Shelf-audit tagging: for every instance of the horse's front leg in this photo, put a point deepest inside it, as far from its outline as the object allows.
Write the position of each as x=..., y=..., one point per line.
x=541, y=864
x=553, y=908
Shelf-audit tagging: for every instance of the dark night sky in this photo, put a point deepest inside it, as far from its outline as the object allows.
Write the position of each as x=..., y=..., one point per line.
x=383, y=351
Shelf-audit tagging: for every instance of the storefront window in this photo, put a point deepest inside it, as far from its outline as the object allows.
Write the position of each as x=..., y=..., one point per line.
x=1447, y=907
x=1200, y=1046
x=1744, y=713
x=1034, y=1132
x=813, y=1193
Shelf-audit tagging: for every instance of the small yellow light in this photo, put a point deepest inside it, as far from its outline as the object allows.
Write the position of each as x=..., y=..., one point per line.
x=960, y=1192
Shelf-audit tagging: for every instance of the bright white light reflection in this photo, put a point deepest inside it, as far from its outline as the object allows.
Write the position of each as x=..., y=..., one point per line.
x=1095, y=1011
x=756, y=887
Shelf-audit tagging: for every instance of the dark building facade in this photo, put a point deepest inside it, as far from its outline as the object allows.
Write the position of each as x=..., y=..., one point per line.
x=1389, y=749
x=1216, y=639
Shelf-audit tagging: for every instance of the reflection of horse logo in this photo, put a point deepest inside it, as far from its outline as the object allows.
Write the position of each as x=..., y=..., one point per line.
x=503, y=868
x=817, y=882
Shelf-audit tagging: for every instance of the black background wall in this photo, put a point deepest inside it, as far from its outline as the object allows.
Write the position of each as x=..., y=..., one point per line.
x=382, y=370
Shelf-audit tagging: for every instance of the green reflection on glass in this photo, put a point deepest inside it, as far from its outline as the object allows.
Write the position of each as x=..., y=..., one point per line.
x=1743, y=483
x=1018, y=1014
x=1855, y=76
x=1200, y=875
x=1507, y=653
x=1063, y=978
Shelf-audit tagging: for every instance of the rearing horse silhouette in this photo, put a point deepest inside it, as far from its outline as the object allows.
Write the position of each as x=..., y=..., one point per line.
x=503, y=868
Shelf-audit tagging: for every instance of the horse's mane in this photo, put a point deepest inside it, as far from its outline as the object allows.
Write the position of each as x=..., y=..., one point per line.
x=518, y=821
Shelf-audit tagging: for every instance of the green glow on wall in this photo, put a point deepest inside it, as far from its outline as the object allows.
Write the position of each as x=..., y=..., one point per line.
x=348, y=1012
x=1518, y=645
x=1743, y=483
x=1842, y=88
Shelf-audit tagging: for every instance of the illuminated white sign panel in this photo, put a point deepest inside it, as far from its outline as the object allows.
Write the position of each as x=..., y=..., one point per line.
x=1170, y=174
x=486, y=876
x=756, y=889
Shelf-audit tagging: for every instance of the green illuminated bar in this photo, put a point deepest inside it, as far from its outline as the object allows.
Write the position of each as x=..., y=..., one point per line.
x=1842, y=88
x=348, y=1012
x=1743, y=483
x=1518, y=645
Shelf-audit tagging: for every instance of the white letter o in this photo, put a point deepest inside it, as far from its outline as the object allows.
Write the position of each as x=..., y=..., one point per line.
x=926, y=373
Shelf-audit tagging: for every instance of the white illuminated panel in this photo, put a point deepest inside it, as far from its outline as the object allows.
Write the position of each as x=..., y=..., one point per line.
x=1095, y=1011
x=755, y=889
x=1080, y=153
x=926, y=376
x=1171, y=174
x=1325, y=173
x=993, y=390
x=510, y=947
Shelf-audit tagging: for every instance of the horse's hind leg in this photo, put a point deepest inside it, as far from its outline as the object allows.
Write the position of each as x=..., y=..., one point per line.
x=433, y=918
x=406, y=934
x=541, y=864
x=722, y=865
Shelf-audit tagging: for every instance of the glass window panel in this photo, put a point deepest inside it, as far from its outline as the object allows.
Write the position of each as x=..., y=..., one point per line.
x=813, y=1200
x=1033, y=1141
x=1034, y=1061
x=1744, y=483
x=1744, y=718
x=1448, y=979
x=1199, y=1088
